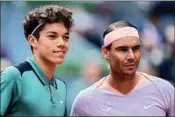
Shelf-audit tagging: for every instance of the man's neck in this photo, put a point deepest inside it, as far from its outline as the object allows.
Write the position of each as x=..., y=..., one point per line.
x=123, y=83
x=47, y=67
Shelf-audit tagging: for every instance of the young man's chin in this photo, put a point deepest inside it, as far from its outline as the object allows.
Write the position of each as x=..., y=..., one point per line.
x=57, y=62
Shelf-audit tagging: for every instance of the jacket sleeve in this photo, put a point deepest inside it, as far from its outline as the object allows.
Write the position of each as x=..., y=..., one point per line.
x=9, y=90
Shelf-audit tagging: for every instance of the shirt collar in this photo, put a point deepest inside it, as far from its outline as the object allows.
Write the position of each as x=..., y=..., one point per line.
x=41, y=75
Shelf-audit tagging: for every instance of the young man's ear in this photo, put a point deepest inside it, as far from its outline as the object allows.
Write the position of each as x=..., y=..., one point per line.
x=32, y=41
x=105, y=53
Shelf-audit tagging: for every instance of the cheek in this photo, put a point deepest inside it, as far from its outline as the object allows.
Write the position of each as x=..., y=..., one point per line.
x=117, y=59
x=46, y=47
x=138, y=56
x=67, y=46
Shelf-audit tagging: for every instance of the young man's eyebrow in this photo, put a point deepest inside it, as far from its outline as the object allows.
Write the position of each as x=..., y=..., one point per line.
x=67, y=33
x=51, y=32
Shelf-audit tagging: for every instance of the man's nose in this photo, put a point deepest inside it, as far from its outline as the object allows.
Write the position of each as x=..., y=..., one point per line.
x=130, y=54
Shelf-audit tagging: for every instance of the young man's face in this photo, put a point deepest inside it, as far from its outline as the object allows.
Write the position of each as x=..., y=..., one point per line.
x=124, y=55
x=53, y=43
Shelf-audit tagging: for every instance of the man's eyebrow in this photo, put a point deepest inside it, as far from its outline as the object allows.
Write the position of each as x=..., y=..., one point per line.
x=122, y=46
x=125, y=46
x=137, y=45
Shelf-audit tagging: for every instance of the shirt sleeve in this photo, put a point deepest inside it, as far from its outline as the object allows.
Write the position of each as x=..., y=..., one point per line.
x=75, y=111
x=9, y=88
x=171, y=107
x=78, y=106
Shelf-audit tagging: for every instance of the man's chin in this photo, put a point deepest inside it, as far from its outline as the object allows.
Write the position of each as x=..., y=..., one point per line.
x=130, y=72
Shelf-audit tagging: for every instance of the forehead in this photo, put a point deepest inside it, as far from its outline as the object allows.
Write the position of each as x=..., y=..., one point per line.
x=126, y=41
x=55, y=27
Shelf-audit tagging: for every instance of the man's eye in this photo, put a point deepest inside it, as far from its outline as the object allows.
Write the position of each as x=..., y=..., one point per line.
x=136, y=48
x=123, y=49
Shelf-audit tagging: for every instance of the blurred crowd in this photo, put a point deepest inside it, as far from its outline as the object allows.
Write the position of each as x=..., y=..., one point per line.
x=84, y=63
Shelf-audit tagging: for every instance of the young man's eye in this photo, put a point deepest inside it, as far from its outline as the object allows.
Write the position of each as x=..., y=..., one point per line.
x=66, y=37
x=52, y=36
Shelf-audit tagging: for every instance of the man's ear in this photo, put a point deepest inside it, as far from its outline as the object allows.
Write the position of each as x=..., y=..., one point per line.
x=105, y=53
x=32, y=41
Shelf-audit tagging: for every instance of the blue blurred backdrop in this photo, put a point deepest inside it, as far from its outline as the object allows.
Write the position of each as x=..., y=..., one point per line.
x=84, y=62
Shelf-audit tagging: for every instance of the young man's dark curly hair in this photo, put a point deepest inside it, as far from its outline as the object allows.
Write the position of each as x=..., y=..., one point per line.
x=36, y=19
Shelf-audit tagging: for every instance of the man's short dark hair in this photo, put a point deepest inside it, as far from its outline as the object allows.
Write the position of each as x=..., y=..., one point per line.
x=44, y=15
x=116, y=25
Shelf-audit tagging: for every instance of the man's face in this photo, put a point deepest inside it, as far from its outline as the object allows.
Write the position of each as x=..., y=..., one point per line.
x=124, y=55
x=53, y=43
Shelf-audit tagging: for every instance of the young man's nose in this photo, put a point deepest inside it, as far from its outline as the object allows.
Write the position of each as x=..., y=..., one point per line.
x=60, y=42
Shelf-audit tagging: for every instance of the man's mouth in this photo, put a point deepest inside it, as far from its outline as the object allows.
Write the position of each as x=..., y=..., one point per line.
x=130, y=65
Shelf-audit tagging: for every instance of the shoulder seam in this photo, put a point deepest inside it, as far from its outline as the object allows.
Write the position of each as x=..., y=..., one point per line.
x=61, y=80
x=22, y=67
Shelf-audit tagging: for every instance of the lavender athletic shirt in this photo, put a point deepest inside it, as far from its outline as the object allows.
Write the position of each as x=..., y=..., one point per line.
x=154, y=98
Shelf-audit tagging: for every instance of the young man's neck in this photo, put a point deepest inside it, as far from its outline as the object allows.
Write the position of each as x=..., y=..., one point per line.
x=123, y=83
x=47, y=67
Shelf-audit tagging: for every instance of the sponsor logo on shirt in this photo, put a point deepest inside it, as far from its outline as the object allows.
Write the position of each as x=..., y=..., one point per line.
x=148, y=106
x=112, y=111
x=61, y=102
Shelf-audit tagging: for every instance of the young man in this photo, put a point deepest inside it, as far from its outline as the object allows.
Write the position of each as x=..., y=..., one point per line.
x=31, y=89
x=125, y=91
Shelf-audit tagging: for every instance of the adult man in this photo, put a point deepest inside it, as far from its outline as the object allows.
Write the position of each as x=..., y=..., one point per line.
x=125, y=92
x=31, y=89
